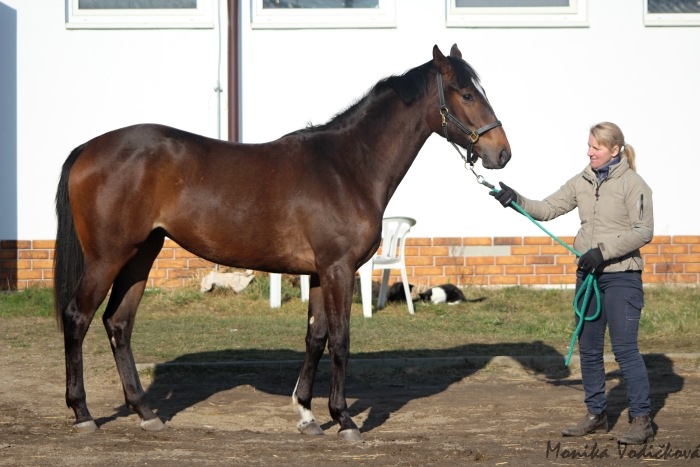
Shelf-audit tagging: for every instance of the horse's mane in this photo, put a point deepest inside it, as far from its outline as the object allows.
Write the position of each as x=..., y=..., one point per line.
x=410, y=86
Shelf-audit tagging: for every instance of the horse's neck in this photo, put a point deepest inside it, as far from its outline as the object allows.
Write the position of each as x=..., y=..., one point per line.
x=392, y=134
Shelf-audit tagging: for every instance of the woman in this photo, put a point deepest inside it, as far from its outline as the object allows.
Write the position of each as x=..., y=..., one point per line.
x=615, y=208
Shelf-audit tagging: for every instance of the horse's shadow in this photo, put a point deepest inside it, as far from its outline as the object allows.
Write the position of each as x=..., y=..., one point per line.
x=177, y=388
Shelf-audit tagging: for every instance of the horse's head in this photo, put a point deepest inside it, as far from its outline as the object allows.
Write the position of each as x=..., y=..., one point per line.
x=466, y=114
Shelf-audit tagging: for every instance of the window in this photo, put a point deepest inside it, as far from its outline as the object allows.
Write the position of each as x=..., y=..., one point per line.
x=303, y=14
x=138, y=14
x=672, y=12
x=517, y=13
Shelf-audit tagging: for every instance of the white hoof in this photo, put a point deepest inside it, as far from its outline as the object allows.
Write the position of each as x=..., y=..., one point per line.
x=84, y=427
x=153, y=424
x=350, y=435
x=310, y=428
x=307, y=425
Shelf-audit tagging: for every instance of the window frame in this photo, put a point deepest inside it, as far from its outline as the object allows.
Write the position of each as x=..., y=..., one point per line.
x=140, y=18
x=573, y=16
x=323, y=18
x=669, y=19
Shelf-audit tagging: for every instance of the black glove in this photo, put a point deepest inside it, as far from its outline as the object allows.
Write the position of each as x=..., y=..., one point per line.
x=591, y=259
x=505, y=196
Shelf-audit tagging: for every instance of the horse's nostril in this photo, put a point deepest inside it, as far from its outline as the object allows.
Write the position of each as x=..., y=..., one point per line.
x=503, y=157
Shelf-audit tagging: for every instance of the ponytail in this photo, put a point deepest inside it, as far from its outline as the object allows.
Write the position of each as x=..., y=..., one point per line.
x=628, y=152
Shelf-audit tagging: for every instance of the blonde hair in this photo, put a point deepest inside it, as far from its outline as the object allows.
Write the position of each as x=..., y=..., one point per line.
x=609, y=135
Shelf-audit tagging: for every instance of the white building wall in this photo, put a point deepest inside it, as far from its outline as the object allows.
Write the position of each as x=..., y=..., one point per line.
x=73, y=85
x=548, y=86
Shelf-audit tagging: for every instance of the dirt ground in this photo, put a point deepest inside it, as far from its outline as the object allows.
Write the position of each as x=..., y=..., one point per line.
x=448, y=416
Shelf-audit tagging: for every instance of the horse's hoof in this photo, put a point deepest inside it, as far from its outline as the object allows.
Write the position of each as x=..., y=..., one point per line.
x=84, y=427
x=352, y=434
x=153, y=424
x=311, y=429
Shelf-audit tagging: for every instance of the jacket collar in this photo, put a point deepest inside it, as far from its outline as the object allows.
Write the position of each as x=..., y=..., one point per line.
x=614, y=171
x=603, y=171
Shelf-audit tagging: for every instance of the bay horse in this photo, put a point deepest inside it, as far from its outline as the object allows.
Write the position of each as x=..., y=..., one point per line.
x=310, y=202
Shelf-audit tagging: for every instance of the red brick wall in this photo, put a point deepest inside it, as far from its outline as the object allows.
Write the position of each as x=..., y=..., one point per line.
x=429, y=261
x=24, y=263
x=175, y=267
x=536, y=261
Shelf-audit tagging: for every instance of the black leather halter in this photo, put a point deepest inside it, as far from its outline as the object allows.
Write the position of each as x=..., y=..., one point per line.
x=472, y=136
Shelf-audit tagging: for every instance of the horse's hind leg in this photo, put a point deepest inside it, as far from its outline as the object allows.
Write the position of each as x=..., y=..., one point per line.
x=119, y=322
x=76, y=317
x=316, y=337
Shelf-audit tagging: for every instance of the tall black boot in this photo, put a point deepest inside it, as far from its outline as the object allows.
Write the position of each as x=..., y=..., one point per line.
x=640, y=431
x=590, y=424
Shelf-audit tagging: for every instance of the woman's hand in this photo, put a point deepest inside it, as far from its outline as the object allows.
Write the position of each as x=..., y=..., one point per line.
x=505, y=196
x=591, y=259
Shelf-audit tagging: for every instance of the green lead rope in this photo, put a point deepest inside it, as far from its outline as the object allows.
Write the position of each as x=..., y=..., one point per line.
x=590, y=283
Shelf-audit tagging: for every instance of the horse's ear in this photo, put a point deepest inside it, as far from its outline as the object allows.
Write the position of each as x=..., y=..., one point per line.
x=440, y=60
x=454, y=51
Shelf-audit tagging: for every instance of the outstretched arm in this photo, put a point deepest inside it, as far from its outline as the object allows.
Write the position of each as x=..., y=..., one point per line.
x=560, y=202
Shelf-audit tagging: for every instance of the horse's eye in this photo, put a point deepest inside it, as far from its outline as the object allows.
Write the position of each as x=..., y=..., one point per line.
x=467, y=97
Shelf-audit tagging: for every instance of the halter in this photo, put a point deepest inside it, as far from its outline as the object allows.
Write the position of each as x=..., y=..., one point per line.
x=472, y=136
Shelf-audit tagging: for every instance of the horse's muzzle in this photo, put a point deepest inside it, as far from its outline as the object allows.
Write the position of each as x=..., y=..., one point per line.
x=499, y=161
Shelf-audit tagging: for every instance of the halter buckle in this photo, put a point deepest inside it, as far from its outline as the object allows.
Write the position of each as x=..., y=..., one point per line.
x=443, y=114
x=473, y=137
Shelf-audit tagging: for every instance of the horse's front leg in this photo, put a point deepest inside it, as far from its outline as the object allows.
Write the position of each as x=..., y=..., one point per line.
x=316, y=338
x=337, y=284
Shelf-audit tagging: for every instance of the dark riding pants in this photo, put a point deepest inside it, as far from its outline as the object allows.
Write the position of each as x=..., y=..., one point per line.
x=622, y=300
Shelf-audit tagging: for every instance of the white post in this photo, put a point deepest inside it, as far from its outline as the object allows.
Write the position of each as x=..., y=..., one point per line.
x=366, y=288
x=304, y=288
x=275, y=290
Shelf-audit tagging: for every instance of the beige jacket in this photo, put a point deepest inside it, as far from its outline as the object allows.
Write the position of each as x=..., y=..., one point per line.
x=617, y=216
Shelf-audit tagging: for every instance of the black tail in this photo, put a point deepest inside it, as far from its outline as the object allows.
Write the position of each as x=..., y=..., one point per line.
x=68, y=260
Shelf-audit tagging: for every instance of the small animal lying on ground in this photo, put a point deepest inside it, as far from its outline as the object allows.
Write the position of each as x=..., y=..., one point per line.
x=447, y=293
x=396, y=292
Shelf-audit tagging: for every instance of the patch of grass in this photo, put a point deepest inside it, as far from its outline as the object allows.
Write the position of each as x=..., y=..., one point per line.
x=671, y=311
x=221, y=325
x=33, y=301
x=185, y=325
x=174, y=298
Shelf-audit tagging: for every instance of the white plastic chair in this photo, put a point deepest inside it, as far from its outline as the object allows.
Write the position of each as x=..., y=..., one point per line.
x=394, y=230
x=276, y=289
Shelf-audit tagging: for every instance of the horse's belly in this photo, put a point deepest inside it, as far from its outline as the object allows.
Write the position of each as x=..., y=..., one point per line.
x=241, y=247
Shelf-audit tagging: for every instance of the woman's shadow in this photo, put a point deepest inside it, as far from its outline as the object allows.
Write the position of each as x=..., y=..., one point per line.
x=663, y=381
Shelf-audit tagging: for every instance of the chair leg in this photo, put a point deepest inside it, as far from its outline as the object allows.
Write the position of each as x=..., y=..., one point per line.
x=366, y=288
x=406, y=289
x=275, y=290
x=383, y=290
x=304, y=288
